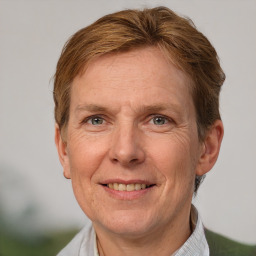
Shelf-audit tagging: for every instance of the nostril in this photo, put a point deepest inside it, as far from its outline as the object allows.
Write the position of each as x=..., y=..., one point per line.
x=123, y=161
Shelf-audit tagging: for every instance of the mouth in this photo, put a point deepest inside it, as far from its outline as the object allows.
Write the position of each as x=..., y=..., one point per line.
x=128, y=187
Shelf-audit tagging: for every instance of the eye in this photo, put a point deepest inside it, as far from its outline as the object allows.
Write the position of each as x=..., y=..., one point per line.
x=96, y=120
x=159, y=120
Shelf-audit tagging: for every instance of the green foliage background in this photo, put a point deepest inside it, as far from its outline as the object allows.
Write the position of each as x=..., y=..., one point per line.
x=43, y=245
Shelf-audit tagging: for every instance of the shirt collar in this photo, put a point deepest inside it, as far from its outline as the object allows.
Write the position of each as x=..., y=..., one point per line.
x=196, y=245
x=96, y=252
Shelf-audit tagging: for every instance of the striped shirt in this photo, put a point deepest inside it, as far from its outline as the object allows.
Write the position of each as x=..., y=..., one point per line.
x=84, y=243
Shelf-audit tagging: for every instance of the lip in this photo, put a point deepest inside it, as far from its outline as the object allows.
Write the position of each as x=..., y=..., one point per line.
x=126, y=182
x=127, y=195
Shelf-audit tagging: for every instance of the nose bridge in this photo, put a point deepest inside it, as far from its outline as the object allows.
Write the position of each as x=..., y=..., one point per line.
x=126, y=147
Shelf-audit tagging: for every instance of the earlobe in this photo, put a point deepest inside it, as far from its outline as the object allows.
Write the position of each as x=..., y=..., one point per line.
x=62, y=152
x=210, y=148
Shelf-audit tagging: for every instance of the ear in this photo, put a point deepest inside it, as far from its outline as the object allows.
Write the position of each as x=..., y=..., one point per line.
x=210, y=148
x=62, y=151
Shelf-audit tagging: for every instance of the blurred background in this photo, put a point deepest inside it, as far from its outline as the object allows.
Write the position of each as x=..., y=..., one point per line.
x=38, y=212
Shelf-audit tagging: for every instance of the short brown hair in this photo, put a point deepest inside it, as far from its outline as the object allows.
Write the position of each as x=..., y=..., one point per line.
x=123, y=31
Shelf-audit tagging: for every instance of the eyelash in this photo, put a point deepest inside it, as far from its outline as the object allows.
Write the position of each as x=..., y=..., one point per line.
x=86, y=120
x=152, y=117
x=166, y=119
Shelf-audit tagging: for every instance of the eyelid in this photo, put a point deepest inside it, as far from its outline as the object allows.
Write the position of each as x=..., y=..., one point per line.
x=169, y=119
x=85, y=120
x=150, y=117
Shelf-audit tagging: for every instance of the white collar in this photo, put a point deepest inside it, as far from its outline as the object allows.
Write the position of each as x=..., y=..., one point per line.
x=196, y=244
x=84, y=243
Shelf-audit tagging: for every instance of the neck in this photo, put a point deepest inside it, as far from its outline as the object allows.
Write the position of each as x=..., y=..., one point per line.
x=161, y=241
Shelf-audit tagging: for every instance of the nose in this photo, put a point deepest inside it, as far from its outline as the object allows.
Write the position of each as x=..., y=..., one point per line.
x=127, y=146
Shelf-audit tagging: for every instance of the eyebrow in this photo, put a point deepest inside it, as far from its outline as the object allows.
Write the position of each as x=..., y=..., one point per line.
x=90, y=108
x=153, y=108
x=142, y=109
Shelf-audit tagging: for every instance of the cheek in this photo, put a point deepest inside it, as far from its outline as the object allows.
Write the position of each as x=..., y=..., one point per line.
x=174, y=159
x=83, y=167
x=86, y=154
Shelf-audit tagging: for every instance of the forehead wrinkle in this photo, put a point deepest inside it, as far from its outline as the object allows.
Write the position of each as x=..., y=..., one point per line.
x=139, y=109
x=156, y=108
x=90, y=108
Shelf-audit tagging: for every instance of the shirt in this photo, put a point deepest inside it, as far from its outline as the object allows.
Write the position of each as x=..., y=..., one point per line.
x=84, y=243
x=196, y=244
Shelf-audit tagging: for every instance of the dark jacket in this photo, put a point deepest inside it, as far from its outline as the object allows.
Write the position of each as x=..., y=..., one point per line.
x=222, y=246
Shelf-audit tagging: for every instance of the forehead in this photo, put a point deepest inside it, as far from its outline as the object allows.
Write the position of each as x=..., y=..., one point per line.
x=140, y=63
x=132, y=76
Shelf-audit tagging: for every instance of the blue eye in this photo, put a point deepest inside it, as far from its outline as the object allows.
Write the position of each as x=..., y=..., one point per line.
x=96, y=120
x=159, y=120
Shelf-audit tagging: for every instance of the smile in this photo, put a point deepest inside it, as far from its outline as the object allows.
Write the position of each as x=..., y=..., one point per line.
x=127, y=187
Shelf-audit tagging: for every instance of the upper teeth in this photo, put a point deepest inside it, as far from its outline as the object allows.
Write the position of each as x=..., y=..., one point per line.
x=128, y=187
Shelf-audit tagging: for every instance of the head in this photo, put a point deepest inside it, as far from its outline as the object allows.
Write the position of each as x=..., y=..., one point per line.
x=178, y=39
x=165, y=49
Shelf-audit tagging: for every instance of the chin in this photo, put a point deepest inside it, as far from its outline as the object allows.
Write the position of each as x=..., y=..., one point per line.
x=128, y=225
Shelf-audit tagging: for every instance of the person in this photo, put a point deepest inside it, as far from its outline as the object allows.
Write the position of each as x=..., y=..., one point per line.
x=137, y=128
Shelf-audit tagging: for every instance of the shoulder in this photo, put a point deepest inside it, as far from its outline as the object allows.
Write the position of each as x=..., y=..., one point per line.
x=83, y=241
x=222, y=246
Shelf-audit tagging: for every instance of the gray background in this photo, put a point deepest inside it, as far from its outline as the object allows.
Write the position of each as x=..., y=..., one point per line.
x=33, y=193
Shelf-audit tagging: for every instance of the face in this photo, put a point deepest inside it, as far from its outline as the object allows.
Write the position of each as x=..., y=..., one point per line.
x=132, y=148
